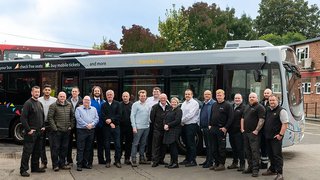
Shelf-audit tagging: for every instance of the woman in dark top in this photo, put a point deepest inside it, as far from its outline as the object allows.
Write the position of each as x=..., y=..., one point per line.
x=172, y=127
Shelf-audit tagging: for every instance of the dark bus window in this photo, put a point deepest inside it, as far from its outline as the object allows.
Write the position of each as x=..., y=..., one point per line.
x=187, y=71
x=105, y=85
x=96, y=73
x=1, y=81
x=134, y=85
x=143, y=72
x=69, y=80
x=19, y=86
x=50, y=78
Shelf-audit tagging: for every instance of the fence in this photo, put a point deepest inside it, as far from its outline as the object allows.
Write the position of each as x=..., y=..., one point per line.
x=312, y=110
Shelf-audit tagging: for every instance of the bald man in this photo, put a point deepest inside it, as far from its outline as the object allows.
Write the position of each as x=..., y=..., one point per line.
x=263, y=145
x=157, y=115
x=251, y=124
x=61, y=120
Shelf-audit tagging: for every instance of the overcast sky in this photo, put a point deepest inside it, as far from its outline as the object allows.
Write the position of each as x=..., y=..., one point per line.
x=80, y=23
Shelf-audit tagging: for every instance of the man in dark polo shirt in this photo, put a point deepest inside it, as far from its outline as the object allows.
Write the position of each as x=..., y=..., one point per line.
x=251, y=123
x=220, y=121
x=274, y=129
x=32, y=119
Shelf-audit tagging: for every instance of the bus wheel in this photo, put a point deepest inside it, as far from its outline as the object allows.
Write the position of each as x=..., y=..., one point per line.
x=199, y=144
x=17, y=131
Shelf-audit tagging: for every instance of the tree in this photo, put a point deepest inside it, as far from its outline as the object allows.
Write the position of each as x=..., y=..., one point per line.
x=174, y=30
x=204, y=26
x=140, y=39
x=281, y=17
x=104, y=45
x=287, y=38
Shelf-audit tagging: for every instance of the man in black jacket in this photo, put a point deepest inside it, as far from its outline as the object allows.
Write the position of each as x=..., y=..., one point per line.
x=157, y=115
x=126, y=133
x=220, y=122
x=235, y=134
x=111, y=113
x=32, y=119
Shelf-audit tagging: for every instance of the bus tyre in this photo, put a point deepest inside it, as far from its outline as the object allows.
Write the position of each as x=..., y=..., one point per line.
x=17, y=131
x=199, y=144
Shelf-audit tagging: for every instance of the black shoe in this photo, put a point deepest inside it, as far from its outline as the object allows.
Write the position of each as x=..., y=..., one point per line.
x=233, y=166
x=127, y=162
x=247, y=171
x=190, y=164
x=184, y=162
x=87, y=166
x=206, y=165
x=56, y=169
x=117, y=164
x=79, y=168
x=255, y=173
x=241, y=168
x=65, y=167
x=201, y=164
x=163, y=163
x=24, y=174
x=173, y=166
x=40, y=170
x=134, y=163
x=214, y=166
x=221, y=167
x=155, y=164
x=108, y=165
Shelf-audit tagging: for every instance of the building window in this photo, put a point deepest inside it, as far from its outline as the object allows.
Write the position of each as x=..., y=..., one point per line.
x=306, y=87
x=317, y=85
x=302, y=53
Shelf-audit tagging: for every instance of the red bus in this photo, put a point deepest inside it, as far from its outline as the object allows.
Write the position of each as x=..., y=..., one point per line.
x=12, y=52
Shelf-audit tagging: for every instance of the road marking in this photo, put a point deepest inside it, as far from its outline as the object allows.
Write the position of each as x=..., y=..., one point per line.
x=313, y=124
x=311, y=133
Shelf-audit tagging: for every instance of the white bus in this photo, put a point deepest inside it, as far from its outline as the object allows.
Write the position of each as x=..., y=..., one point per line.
x=234, y=70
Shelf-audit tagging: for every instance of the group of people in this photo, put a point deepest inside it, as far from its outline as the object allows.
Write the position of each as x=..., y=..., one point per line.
x=149, y=126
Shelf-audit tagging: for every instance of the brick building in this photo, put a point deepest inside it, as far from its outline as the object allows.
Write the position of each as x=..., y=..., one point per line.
x=308, y=54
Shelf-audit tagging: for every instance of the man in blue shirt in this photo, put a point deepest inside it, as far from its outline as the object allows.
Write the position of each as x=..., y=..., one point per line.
x=87, y=119
x=205, y=114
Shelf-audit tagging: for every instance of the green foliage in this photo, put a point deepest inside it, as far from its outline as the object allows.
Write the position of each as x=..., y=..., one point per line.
x=139, y=39
x=281, y=17
x=106, y=45
x=174, y=30
x=203, y=26
x=287, y=38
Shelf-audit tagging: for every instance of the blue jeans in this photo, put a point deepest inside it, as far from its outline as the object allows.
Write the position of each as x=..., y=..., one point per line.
x=84, y=146
x=139, y=138
x=109, y=132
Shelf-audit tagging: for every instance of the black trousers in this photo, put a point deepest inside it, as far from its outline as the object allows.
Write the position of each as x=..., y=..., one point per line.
x=60, y=142
x=263, y=148
x=207, y=141
x=173, y=152
x=274, y=147
x=73, y=134
x=236, y=142
x=31, y=147
x=218, y=145
x=84, y=147
x=126, y=137
x=149, y=143
x=100, y=146
x=43, y=154
x=158, y=148
x=252, y=150
x=108, y=135
x=189, y=131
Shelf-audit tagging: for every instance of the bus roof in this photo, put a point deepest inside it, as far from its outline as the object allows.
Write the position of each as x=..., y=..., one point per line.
x=180, y=58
